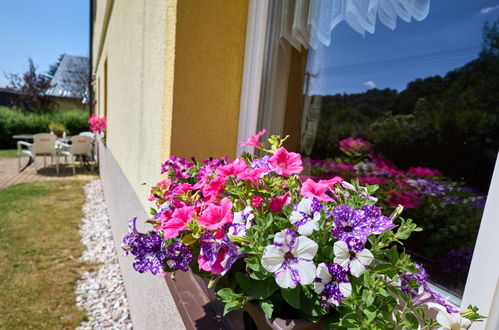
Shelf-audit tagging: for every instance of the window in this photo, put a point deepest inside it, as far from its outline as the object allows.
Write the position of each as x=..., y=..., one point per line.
x=414, y=109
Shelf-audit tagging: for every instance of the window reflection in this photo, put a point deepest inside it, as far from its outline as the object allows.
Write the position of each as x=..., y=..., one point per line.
x=424, y=127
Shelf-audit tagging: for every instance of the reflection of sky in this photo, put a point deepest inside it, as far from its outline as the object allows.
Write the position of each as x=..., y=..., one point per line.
x=449, y=37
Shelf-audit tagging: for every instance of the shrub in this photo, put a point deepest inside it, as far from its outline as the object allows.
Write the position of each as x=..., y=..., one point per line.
x=14, y=122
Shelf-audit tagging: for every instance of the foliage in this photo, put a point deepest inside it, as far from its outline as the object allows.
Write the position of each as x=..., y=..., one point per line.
x=40, y=260
x=8, y=153
x=14, y=122
x=32, y=87
x=433, y=122
x=58, y=128
x=447, y=209
x=318, y=250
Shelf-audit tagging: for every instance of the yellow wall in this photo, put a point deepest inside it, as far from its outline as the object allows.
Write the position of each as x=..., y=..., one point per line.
x=174, y=75
x=134, y=46
x=209, y=55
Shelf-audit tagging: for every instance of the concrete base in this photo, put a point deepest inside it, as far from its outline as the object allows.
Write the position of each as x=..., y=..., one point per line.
x=151, y=303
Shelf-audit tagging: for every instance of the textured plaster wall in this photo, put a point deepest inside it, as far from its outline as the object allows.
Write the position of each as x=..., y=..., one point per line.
x=209, y=55
x=134, y=46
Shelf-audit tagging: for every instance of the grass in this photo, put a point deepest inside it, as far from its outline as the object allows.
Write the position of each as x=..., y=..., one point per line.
x=8, y=153
x=39, y=255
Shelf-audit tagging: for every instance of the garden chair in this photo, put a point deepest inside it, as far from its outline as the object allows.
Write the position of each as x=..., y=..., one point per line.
x=44, y=144
x=89, y=134
x=80, y=146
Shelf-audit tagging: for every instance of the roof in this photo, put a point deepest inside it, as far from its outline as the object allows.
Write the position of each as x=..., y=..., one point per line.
x=71, y=78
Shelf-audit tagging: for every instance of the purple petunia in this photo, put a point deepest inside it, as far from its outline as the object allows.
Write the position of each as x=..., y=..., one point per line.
x=331, y=283
x=148, y=249
x=378, y=222
x=180, y=167
x=351, y=223
x=178, y=256
x=306, y=215
x=213, y=246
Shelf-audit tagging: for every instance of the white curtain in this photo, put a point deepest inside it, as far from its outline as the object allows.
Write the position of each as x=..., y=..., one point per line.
x=305, y=23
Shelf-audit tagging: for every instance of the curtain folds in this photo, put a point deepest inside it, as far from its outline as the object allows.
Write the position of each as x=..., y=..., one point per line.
x=306, y=23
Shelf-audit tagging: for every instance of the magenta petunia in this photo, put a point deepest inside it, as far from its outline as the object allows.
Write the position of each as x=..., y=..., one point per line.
x=277, y=203
x=235, y=168
x=286, y=163
x=254, y=140
x=214, y=216
x=310, y=188
x=178, y=221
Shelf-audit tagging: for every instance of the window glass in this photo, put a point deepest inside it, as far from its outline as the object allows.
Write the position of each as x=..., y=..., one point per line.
x=414, y=110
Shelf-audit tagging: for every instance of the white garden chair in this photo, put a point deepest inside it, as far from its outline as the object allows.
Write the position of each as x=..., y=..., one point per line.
x=44, y=144
x=89, y=134
x=80, y=146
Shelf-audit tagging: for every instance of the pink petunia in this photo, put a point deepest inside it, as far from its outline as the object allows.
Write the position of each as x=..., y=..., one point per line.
x=286, y=163
x=254, y=175
x=277, y=203
x=256, y=201
x=310, y=188
x=212, y=190
x=214, y=216
x=254, y=140
x=236, y=168
x=423, y=171
x=178, y=221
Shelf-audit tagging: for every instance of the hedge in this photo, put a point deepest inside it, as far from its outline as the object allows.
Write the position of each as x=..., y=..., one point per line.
x=14, y=122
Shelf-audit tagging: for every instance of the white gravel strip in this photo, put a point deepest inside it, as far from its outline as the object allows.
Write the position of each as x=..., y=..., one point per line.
x=101, y=293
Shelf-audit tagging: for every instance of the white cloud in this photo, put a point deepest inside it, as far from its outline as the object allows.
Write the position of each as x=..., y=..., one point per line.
x=488, y=9
x=370, y=84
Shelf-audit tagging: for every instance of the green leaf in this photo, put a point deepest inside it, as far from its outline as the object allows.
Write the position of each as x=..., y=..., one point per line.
x=230, y=306
x=381, y=268
x=367, y=297
x=268, y=307
x=254, y=264
x=225, y=294
x=257, y=289
x=312, y=305
x=413, y=321
x=394, y=255
x=292, y=296
x=349, y=320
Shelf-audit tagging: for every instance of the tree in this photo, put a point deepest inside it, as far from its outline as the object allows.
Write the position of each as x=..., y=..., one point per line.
x=490, y=43
x=53, y=67
x=32, y=87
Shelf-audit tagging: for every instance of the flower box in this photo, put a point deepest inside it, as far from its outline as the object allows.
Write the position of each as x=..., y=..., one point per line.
x=267, y=240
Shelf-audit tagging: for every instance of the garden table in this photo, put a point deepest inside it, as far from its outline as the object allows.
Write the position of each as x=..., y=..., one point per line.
x=26, y=137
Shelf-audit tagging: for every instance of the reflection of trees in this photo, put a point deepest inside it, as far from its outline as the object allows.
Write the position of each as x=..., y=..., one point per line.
x=448, y=122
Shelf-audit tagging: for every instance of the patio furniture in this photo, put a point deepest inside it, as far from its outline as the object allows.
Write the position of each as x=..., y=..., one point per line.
x=44, y=144
x=89, y=134
x=80, y=146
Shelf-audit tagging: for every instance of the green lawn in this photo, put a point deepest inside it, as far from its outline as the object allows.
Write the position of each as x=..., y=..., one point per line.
x=7, y=153
x=39, y=255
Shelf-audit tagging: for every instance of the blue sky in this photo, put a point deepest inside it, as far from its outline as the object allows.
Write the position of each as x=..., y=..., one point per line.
x=449, y=37
x=42, y=30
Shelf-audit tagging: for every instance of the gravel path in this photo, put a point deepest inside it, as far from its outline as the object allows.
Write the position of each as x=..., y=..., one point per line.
x=101, y=293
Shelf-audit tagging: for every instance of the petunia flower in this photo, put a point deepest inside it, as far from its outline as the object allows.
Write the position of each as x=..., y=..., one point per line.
x=352, y=257
x=351, y=223
x=177, y=223
x=214, y=216
x=286, y=163
x=306, y=215
x=378, y=222
x=310, y=188
x=290, y=258
x=277, y=203
x=331, y=283
x=178, y=256
x=254, y=140
x=148, y=249
x=452, y=321
x=217, y=253
x=234, y=168
x=242, y=222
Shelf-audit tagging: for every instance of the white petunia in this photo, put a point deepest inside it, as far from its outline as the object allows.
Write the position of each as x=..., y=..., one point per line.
x=306, y=216
x=242, y=222
x=355, y=260
x=452, y=321
x=290, y=258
